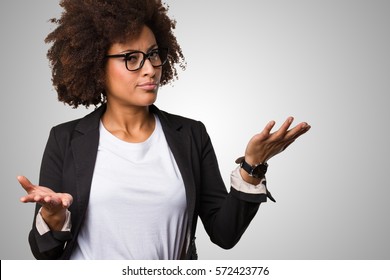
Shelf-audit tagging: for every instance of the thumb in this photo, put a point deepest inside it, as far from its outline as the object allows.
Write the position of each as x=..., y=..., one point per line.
x=25, y=183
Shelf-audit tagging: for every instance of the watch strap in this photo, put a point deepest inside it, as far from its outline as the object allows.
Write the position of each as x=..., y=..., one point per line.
x=255, y=171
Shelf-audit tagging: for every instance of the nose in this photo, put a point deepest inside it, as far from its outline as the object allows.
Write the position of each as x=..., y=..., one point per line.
x=148, y=68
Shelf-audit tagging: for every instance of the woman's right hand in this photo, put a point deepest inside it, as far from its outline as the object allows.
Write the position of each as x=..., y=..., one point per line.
x=54, y=204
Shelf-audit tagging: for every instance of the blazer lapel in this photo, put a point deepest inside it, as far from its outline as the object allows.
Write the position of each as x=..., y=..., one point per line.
x=85, y=147
x=180, y=145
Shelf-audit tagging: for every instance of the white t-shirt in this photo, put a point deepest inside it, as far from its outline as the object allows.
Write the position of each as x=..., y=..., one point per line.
x=137, y=208
x=137, y=205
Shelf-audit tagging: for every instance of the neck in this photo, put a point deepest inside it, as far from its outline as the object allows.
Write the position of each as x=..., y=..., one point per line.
x=130, y=124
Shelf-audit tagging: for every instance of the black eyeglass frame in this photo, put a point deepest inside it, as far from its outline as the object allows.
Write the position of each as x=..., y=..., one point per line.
x=145, y=56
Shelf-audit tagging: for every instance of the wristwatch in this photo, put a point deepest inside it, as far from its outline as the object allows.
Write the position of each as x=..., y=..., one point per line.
x=255, y=171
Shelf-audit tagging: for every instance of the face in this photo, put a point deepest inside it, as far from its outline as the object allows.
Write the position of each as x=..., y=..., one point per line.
x=132, y=88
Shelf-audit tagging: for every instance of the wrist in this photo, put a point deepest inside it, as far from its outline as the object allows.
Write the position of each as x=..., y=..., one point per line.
x=55, y=221
x=256, y=170
x=255, y=160
x=250, y=180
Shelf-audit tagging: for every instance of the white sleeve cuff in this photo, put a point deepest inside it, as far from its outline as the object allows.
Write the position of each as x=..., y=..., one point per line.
x=43, y=228
x=240, y=185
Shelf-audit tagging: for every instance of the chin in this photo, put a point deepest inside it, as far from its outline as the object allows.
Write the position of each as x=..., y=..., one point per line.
x=150, y=100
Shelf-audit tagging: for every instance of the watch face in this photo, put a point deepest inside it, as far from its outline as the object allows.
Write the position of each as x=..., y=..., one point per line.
x=259, y=170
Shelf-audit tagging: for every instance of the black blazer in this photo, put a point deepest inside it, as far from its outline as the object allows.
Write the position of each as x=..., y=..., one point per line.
x=68, y=163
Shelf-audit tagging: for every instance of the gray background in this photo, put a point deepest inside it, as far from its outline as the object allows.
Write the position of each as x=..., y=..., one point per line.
x=324, y=62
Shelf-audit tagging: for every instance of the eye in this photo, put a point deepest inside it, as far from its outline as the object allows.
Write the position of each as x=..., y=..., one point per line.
x=132, y=58
x=154, y=54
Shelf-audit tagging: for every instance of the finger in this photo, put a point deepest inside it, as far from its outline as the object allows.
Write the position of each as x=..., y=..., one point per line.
x=48, y=201
x=34, y=197
x=28, y=187
x=297, y=131
x=64, y=200
x=285, y=126
x=27, y=198
x=65, y=203
x=267, y=129
x=67, y=200
x=304, y=128
x=39, y=198
x=25, y=183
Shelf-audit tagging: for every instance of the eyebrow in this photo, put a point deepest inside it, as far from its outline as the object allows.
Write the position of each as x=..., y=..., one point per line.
x=149, y=49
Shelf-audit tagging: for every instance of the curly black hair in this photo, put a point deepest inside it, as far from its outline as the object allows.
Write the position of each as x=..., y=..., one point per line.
x=84, y=33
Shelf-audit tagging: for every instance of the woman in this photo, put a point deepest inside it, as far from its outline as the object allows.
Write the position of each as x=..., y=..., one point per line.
x=129, y=181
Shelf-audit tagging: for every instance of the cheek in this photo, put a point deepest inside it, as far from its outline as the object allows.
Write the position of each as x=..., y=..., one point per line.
x=117, y=75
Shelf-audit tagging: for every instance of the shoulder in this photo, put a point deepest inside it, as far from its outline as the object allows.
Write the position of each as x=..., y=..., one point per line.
x=179, y=130
x=66, y=126
x=178, y=122
x=178, y=119
x=79, y=126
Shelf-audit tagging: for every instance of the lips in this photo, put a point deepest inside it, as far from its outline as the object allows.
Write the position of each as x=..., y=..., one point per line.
x=148, y=86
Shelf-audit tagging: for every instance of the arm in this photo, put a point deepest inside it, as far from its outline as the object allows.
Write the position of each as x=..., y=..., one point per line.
x=265, y=145
x=50, y=202
x=227, y=215
x=52, y=205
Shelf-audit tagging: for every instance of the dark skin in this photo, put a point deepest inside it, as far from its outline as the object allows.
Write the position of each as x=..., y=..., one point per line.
x=261, y=147
x=54, y=205
x=129, y=95
x=265, y=145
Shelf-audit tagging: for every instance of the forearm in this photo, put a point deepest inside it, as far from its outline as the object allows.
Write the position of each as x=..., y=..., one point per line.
x=228, y=225
x=250, y=180
x=46, y=243
x=55, y=221
x=42, y=227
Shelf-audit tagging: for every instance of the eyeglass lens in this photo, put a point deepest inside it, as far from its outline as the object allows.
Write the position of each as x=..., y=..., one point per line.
x=135, y=60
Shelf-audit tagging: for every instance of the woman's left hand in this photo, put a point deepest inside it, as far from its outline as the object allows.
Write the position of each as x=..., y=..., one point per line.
x=265, y=145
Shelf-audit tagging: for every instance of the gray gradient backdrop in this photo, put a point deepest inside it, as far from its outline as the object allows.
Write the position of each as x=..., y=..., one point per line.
x=324, y=62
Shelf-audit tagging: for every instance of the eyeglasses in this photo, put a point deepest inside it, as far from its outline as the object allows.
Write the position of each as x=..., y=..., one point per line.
x=135, y=60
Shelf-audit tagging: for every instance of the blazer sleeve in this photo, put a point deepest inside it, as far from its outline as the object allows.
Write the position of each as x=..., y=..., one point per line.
x=225, y=215
x=51, y=244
